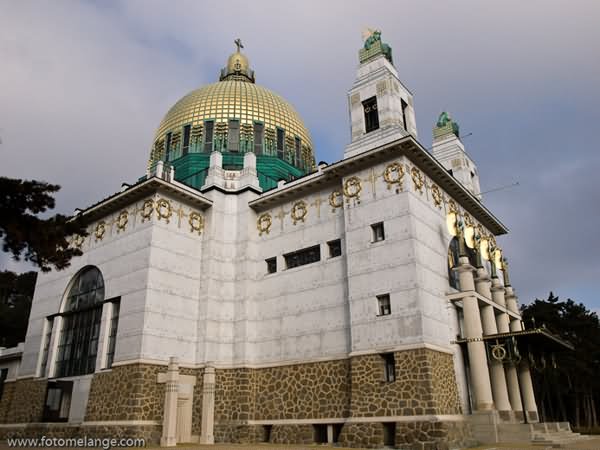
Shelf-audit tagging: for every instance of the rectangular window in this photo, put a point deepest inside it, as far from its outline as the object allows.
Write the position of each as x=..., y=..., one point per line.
x=168, y=146
x=371, y=114
x=259, y=134
x=209, y=126
x=301, y=257
x=383, y=305
x=112, y=336
x=378, y=232
x=233, y=136
x=271, y=265
x=404, y=106
x=187, y=130
x=335, y=248
x=3, y=376
x=389, y=367
x=280, y=143
x=298, y=158
x=46, y=348
x=58, y=401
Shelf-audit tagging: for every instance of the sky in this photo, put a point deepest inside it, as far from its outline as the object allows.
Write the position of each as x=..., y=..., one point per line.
x=84, y=85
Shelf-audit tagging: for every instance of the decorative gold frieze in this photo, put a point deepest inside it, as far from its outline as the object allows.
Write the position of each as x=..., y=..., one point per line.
x=263, y=223
x=147, y=209
x=196, y=222
x=100, y=230
x=352, y=188
x=299, y=211
x=122, y=220
x=436, y=194
x=164, y=210
x=418, y=180
x=336, y=200
x=393, y=175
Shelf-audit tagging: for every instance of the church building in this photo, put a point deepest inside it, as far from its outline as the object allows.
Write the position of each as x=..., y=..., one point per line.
x=240, y=292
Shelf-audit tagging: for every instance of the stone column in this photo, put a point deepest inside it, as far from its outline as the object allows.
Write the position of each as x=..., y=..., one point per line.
x=480, y=376
x=208, y=407
x=169, y=429
x=524, y=374
x=510, y=370
x=499, y=389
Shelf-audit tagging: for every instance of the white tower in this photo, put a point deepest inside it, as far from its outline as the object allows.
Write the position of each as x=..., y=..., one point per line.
x=450, y=152
x=381, y=108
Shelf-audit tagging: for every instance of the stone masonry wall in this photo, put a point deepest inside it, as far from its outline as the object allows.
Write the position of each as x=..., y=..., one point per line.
x=139, y=396
x=23, y=401
x=425, y=384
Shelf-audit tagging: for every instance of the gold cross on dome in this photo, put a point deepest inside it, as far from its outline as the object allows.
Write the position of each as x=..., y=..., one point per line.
x=238, y=42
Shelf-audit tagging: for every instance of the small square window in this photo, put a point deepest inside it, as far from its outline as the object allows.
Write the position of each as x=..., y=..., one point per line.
x=271, y=265
x=335, y=248
x=378, y=232
x=389, y=367
x=383, y=305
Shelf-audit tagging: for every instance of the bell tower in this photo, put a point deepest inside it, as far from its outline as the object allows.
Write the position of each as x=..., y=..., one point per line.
x=381, y=107
x=450, y=152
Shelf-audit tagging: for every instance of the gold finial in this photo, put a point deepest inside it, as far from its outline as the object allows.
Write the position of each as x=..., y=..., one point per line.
x=238, y=43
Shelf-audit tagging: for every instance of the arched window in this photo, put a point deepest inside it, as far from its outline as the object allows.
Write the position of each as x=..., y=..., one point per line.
x=81, y=324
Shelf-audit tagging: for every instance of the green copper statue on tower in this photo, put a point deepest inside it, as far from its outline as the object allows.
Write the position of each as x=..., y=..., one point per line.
x=374, y=45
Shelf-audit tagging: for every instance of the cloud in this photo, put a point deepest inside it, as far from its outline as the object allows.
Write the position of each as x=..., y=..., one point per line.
x=84, y=86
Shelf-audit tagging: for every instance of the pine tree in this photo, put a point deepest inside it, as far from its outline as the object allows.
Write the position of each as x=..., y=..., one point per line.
x=24, y=234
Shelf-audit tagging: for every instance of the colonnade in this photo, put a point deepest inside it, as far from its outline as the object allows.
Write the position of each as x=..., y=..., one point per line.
x=489, y=307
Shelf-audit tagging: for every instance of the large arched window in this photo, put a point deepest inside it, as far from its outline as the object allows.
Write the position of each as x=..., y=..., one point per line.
x=81, y=324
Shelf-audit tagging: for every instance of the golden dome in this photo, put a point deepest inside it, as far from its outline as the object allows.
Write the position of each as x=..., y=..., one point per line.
x=234, y=99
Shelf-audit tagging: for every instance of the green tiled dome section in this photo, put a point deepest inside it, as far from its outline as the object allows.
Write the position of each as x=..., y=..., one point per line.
x=192, y=168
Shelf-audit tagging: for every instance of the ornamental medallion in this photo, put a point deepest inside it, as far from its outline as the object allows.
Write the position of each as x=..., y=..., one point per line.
x=352, y=188
x=100, y=230
x=394, y=174
x=122, y=220
x=336, y=200
x=164, y=210
x=263, y=223
x=196, y=222
x=299, y=211
x=436, y=193
x=147, y=209
x=418, y=179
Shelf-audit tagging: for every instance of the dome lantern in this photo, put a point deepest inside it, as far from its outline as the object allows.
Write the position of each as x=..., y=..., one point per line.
x=238, y=66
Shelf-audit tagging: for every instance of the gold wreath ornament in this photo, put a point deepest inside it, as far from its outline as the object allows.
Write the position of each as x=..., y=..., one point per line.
x=352, y=187
x=196, y=222
x=100, y=230
x=263, y=223
x=122, y=220
x=77, y=241
x=147, y=209
x=394, y=174
x=437, y=195
x=336, y=200
x=164, y=210
x=299, y=211
x=417, y=178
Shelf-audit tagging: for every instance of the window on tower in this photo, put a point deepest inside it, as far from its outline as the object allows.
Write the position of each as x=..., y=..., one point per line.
x=371, y=114
x=404, y=106
x=280, y=143
x=297, y=156
x=302, y=257
x=259, y=134
x=233, y=137
x=168, y=146
x=186, y=139
x=383, y=305
x=209, y=127
x=389, y=367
